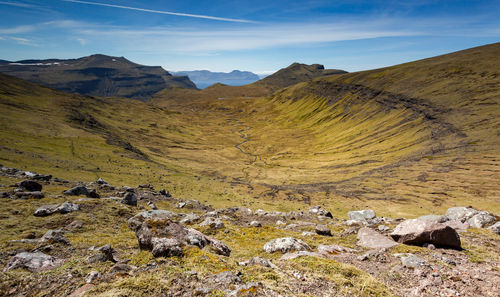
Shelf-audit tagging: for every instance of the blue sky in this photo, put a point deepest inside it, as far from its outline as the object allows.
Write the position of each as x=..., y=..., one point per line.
x=259, y=36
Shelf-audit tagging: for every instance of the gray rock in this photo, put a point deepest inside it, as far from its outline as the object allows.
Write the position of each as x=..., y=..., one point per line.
x=190, y=218
x=121, y=268
x=461, y=213
x=225, y=278
x=286, y=244
x=100, y=181
x=370, y=238
x=31, y=186
x=323, y=230
x=361, y=215
x=152, y=205
x=255, y=224
x=157, y=224
x=495, y=228
x=319, y=211
x=55, y=236
x=67, y=207
x=129, y=199
x=334, y=249
x=47, y=210
x=213, y=223
x=411, y=260
x=165, y=193
x=26, y=195
x=295, y=255
x=481, y=219
x=383, y=228
x=419, y=232
x=457, y=225
x=109, y=253
x=166, y=247
x=93, y=275
x=34, y=262
x=307, y=233
x=258, y=261
x=76, y=191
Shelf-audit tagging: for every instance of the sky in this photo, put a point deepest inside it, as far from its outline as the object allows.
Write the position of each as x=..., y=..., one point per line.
x=261, y=36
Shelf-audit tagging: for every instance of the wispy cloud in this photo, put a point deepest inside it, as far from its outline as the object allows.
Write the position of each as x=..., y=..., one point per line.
x=82, y=41
x=163, y=12
x=17, y=4
x=23, y=41
x=18, y=29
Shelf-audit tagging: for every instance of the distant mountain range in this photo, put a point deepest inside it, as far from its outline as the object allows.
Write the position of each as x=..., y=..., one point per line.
x=97, y=75
x=205, y=78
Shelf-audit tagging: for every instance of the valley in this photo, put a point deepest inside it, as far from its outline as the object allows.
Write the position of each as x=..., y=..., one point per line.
x=404, y=141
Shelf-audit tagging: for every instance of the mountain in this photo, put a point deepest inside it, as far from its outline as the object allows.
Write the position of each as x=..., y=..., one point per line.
x=205, y=78
x=97, y=75
x=296, y=73
x=293, y=74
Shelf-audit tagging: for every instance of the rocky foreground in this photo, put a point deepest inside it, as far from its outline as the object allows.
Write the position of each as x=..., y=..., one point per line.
x=76, y=239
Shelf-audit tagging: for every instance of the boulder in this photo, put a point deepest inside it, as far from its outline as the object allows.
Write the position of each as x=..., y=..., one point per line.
x=31, y=186
x=34, y=262
x=258, y=261
x=495, y=228
x=371, y=239
x=461, y=213
x=26, y=195
x=151, y=227
x=129, y=199
x=166, y=247
x=93, y=275
x=481, y=219
x=255, y=224
x=361, y=215
x=319, y=211
x=190, y=218
x=109, y=253
x=77, y=191
x=411, y=260
x=419, y=232
x=165, y=193
x=63, y=208
x=55, y=236
x=434, y=218
x=286, y=244
x=213, y=223
x=323, y=230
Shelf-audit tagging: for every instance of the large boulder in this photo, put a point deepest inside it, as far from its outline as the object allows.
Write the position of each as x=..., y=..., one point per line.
x=420, y=232
x=130, y=199
x=323, y=230
x=34, y=262
x=285, y=245
x=495, y=228
x=31, y=186
x=213, y=223
x=63, y=208
x=371, y=239
x=361, y=215
x=77, y=191
x=461, y=213
x=481, y=219
x=319, y=211
x=153, y=228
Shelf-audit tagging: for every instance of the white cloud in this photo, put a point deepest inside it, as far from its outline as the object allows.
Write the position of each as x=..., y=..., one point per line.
x=18, y=29
x=17, y=4
x=82, y=41
x=23, y=41
x=163, y=12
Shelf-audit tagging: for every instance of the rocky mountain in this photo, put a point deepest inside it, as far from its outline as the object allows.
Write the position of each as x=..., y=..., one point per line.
x=205, y=78
x=97, y=75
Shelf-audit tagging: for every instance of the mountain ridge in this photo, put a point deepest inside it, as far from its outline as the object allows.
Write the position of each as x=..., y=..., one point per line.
x=97, y=75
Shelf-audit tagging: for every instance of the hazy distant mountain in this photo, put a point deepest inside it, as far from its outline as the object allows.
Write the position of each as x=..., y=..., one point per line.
x=97, y=75
x=205, y=78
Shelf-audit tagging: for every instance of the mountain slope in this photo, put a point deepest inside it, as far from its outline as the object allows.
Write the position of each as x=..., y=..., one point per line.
x=97, y=75
x=205, y=78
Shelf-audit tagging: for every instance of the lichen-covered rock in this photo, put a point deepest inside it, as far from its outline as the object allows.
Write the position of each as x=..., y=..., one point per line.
x=495, y=228
x=319, y=211
x=334, y=249
x=285, y=244
x=255, y=224
x=151, y=227
x=213, y=223
x=166, y=247
x=190, y=218
x=361, y=215
x=34, y=262
x=55, y=236
x=77, y=191
x=461, y=213
x=63, y=208
x=370, y=238
x=419, y=232
x=480, y=219
x=411, y=260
